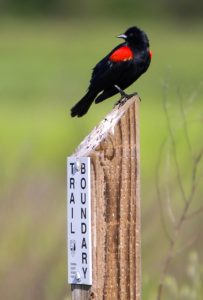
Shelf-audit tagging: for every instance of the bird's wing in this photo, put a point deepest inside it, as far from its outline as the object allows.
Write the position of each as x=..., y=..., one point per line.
x=121, y=54
x=112, y=67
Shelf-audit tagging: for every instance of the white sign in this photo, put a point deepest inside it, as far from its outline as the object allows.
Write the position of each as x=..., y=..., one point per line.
x=79, y=221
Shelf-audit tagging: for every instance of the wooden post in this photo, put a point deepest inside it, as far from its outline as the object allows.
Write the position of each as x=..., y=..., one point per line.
x=113, y=147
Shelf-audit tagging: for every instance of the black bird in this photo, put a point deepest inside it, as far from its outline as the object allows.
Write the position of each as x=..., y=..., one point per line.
x=118, y=70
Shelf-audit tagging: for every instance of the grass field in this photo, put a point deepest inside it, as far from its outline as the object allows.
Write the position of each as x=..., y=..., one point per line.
x=44, y=69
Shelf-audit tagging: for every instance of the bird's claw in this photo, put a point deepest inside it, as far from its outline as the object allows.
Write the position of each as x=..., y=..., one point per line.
x=124, y=98
x=120, y=102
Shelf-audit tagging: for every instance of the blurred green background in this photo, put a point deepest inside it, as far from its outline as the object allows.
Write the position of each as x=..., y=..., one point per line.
x=47, y=50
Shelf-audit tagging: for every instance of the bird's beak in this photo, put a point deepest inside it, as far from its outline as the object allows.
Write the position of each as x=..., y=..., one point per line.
x=122, y=36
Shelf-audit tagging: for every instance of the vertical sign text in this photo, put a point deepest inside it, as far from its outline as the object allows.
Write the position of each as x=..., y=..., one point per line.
x=79, y=221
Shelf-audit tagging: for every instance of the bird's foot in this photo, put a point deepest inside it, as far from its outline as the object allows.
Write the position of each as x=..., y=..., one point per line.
x=124, y=97
x=120, y=102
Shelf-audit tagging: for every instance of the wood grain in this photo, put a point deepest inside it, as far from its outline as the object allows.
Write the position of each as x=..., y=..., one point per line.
x=115, y=162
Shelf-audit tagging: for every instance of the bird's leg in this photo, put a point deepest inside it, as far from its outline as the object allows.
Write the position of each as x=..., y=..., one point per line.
x=124, y=96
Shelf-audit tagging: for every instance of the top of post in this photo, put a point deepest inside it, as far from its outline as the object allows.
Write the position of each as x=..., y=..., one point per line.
x=105, y=127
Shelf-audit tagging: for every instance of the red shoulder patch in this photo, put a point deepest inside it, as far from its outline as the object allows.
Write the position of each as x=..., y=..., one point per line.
x=150, y=54
x=121, y=54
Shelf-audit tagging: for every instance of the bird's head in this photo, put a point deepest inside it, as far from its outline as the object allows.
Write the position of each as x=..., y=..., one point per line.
x=135, y=37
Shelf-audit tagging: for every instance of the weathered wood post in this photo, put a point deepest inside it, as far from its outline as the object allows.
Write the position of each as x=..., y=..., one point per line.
x=113, y=148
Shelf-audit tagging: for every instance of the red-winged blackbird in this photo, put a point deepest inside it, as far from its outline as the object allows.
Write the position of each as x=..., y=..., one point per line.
x=118, y=70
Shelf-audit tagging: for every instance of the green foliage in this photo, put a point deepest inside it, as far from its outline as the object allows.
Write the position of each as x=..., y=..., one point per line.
x=130, y=8
x=191, y=288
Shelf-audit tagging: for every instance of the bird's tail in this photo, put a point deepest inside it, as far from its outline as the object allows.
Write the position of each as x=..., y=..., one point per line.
x=81, y=108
